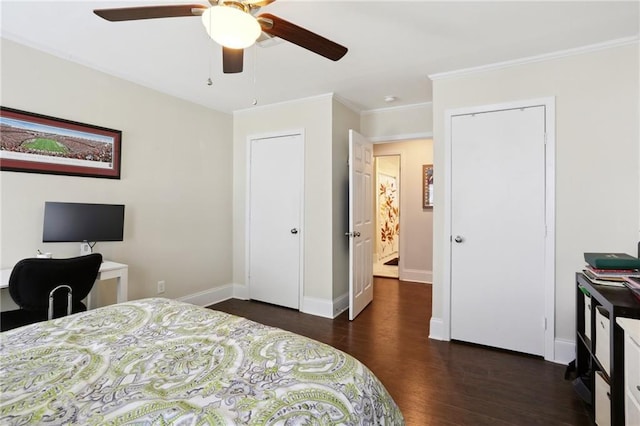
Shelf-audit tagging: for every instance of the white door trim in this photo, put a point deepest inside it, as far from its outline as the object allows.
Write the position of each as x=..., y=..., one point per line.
x=549, y=270
x=247, y=208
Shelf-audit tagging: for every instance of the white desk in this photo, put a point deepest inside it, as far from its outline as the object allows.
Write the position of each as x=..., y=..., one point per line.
x=108, y=270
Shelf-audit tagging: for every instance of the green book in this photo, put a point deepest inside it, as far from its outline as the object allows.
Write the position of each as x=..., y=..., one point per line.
x=612, y=261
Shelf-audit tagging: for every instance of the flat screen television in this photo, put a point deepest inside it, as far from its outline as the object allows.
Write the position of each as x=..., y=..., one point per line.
x=78, y=222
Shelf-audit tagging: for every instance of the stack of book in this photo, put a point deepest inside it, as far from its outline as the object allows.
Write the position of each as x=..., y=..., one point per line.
x=633, y=284
x=611, y=269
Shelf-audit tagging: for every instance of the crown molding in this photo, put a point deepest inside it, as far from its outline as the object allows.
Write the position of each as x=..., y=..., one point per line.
x=347, y=103
x=288, y=102
x=538, y=58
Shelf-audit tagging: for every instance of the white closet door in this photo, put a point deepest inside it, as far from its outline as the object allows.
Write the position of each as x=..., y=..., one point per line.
x=275, y=219
x=498, y=229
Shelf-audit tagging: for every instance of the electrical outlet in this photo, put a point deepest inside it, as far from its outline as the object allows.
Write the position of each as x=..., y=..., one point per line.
x=160, y=287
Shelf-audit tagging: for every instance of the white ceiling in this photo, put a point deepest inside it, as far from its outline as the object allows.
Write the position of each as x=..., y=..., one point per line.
x=393, y=45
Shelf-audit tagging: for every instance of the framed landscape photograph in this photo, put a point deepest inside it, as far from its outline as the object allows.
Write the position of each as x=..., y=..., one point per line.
x=427, y=186
x=37, y=143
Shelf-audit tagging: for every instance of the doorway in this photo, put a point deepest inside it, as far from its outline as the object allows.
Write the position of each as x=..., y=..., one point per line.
x=387, y=216
x=414, y=236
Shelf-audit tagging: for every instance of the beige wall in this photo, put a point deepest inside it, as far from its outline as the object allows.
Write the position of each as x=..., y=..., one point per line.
x=313, y=117
x=416, y=223
x=176, y=175
x=597, y=139
x=407, y=122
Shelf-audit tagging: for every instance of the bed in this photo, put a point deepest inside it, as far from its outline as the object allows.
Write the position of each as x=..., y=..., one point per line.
x=160, y=361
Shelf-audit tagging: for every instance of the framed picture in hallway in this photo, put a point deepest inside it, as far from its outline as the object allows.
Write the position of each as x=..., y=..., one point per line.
x=427, y=186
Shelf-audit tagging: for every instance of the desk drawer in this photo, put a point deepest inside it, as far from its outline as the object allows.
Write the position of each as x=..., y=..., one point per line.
x=631, y=411
x=587, y=317
x=603, y=401
x=603, y=339
x=632, y=368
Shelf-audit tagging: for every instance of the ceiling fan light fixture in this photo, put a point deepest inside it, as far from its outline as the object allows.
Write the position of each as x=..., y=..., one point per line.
x=231, y=27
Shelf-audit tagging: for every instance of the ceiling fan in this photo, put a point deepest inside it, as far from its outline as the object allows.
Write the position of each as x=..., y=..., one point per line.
x=235, y=24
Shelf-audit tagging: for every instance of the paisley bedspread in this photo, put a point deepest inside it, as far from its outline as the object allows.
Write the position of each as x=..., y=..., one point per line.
x=160, y=361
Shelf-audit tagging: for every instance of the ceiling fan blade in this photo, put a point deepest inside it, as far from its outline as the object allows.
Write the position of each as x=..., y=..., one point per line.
x=232, y=60
x=286, y=30
x=150, y=12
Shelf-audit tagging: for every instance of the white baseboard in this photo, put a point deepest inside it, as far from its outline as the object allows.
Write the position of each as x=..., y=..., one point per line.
x=340, y=304
x=318, y=307
x=416, y=275
x=325, y=308
x=209, y=297
x=436, y=329
x=240, y=291
x=564, y=351
x=310, y=305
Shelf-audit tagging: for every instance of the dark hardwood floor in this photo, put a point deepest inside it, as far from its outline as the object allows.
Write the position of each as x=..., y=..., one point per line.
x=433, y=382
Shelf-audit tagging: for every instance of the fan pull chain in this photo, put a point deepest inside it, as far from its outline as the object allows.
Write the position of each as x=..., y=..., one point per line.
x=209, y=81
x=255, y=71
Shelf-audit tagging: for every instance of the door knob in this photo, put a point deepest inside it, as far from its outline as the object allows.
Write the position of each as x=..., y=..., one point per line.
x=294, y=230
x=357, y=234
x=458, y=239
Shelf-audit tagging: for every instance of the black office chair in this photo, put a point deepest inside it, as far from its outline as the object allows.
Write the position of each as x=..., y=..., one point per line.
x=49, y=288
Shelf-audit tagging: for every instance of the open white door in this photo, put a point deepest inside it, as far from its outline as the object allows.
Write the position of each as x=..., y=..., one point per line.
x=360, y=223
